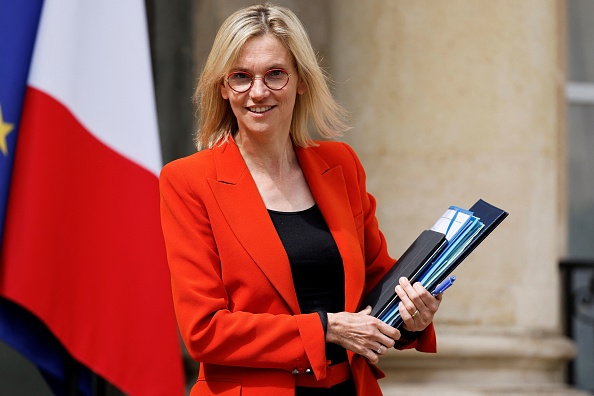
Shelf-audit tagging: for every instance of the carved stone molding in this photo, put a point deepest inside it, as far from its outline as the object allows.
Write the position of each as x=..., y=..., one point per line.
x=482, y=364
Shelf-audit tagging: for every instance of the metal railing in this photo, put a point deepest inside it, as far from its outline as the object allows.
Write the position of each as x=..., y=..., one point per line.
x=578, y=303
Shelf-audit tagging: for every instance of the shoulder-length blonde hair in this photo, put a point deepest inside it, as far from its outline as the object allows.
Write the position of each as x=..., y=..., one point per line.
x=216, y=119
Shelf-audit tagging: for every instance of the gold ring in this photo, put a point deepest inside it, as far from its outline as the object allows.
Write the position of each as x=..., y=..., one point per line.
x=416, y=312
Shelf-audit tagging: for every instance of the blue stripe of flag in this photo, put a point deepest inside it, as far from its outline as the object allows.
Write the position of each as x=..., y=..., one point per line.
x=18, y=28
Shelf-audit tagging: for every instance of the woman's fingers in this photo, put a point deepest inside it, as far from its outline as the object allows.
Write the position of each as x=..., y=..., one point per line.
x=361, y=333
x=417, y=306
x=366, y=311
x=369, y=336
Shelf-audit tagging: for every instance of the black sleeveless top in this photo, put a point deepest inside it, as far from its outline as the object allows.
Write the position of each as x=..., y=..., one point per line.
x=318, y=276
x=316, y=265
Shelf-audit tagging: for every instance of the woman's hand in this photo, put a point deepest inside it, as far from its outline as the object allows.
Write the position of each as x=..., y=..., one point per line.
x=417, y=306
x=361, y=333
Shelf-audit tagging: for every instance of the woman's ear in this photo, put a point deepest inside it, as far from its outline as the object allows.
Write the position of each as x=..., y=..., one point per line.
x=301, y=87
x=224, y=92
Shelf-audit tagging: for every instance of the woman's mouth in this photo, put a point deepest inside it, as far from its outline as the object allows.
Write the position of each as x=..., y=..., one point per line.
x=259, y=109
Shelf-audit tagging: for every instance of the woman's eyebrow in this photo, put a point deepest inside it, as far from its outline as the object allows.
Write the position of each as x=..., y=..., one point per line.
x=270, y=67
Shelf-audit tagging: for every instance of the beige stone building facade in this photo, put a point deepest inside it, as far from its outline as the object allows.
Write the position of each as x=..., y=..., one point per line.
x=453, y=101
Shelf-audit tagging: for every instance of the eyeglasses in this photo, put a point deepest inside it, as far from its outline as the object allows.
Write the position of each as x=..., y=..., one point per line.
x=242, y=81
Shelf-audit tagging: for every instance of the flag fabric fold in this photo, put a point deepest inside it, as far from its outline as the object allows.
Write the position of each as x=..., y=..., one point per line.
x=82, y=248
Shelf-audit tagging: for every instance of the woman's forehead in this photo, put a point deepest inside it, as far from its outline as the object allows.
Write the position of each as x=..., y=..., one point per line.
x=263, y=51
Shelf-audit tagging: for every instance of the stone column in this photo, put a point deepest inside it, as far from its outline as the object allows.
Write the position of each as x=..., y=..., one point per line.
x=453, y=101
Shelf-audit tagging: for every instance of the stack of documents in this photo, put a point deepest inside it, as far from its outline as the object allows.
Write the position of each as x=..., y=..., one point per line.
x=434, y=255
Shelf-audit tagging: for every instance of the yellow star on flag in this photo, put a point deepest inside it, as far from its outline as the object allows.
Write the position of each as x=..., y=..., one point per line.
x=5, y=129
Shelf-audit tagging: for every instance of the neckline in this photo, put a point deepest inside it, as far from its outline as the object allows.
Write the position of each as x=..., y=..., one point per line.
x=293, y=212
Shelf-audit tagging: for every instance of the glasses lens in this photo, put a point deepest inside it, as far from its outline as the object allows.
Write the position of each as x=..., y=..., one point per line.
x=276, y=79
x=239, y=81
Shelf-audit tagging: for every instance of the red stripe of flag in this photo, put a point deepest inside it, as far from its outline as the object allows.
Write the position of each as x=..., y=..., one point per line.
x=83, y=251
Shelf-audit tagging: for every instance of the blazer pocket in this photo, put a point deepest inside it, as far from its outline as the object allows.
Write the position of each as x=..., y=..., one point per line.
x=216, y=387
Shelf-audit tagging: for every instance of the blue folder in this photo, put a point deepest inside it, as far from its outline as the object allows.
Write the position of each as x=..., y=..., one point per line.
x=434, y=255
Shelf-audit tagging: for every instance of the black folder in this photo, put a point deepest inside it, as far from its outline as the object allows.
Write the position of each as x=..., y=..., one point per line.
x=423, y=251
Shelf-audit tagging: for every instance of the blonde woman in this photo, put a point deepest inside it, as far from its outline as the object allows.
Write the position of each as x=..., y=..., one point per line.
x=271, y=237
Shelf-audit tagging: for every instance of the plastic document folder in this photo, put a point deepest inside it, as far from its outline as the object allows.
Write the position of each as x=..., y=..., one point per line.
x=433, y=256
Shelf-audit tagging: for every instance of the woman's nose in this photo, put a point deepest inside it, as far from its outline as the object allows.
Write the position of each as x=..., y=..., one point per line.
x=259, y=89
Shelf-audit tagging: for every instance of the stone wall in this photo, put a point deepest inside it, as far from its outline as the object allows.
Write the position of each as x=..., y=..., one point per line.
x=453, y=101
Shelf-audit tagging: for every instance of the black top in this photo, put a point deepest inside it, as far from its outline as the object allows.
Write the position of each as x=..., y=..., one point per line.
x=318, y=276
x=316, y=265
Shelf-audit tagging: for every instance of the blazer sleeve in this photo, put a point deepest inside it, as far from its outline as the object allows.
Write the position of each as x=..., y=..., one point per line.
x=211, y=332
x=378, y=261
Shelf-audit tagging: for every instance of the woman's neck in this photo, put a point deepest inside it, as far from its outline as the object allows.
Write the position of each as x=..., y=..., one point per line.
x=275, y=169
x=274, y=157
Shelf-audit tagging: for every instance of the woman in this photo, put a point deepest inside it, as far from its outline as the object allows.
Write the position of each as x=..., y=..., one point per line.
x=272, y=239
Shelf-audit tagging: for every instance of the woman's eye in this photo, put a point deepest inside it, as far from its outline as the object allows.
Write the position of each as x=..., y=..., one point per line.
x=275, y=73
x=240, y=76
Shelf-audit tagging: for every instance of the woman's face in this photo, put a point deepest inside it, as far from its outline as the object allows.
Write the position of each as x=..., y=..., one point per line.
x=261, y=110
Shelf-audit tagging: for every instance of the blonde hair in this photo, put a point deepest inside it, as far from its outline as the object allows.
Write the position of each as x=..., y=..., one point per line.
x=217, y=122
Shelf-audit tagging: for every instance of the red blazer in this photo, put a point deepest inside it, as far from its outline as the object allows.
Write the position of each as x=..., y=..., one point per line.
x=233, y=293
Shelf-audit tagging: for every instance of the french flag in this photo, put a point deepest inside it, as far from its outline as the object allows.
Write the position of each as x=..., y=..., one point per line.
x=82, y=252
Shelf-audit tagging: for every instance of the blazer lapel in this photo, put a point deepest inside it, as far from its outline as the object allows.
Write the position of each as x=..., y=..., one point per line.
x=243, y=208
x=329, y=189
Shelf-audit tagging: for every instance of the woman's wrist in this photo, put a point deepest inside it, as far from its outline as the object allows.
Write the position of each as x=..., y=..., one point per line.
x=330, y=335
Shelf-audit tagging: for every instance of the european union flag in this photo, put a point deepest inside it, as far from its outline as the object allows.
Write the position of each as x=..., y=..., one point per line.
x=18, y=28
x=19, y=328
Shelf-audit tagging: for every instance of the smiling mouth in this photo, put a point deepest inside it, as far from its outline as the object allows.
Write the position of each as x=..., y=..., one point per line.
x=259, y=109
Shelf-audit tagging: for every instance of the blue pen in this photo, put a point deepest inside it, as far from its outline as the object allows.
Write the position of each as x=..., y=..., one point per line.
x=444, y=285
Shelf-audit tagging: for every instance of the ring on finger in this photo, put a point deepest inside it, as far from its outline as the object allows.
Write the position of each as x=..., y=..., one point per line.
x=416, y=312
x=379, y=350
